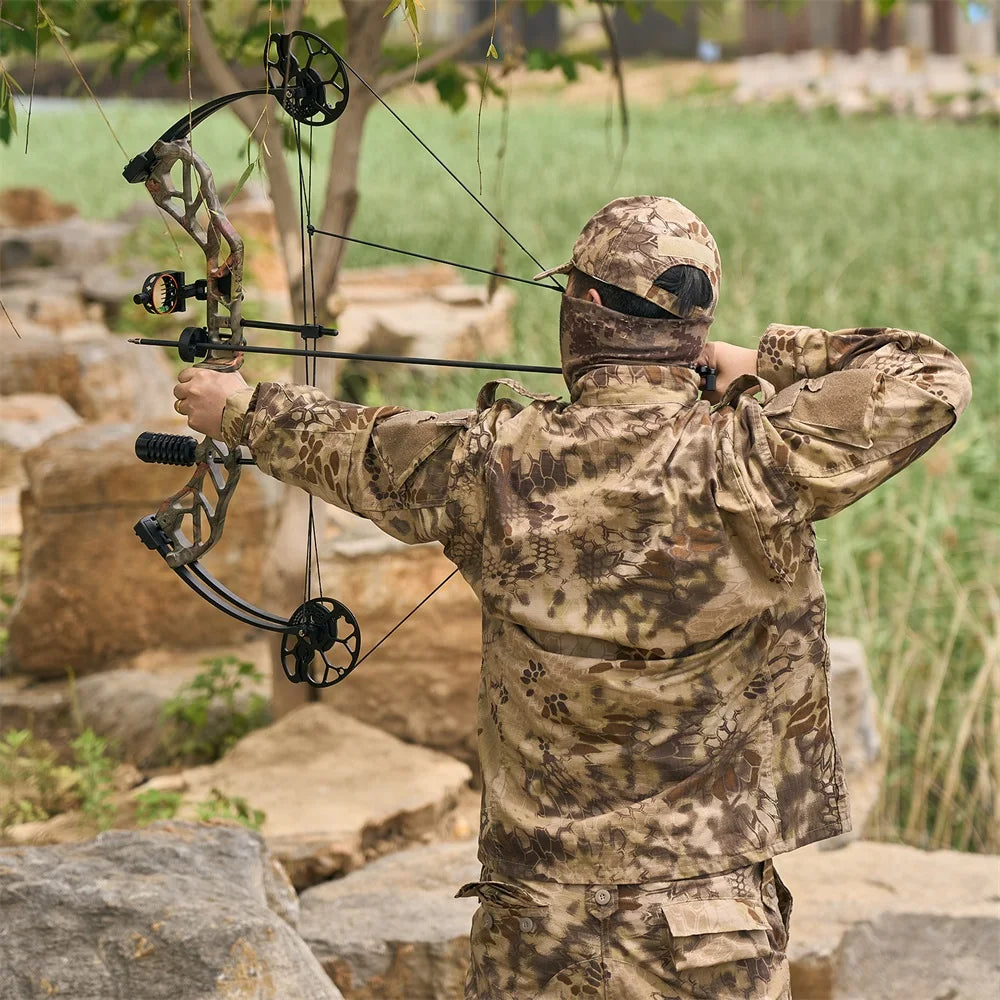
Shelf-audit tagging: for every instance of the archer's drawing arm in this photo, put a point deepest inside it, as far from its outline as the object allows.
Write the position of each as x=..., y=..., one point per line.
x=853, y=408
x=391, y=465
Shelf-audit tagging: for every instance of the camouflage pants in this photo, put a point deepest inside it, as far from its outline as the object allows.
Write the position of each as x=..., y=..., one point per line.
x=714, y=937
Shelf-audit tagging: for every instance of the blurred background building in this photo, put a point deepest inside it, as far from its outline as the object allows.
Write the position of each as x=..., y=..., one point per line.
x=744, y=27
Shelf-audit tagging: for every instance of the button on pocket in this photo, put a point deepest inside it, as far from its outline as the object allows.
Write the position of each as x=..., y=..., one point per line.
x=602, y=897
x=526, y=924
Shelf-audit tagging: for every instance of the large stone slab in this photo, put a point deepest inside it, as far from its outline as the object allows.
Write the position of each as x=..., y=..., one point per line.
x=422, y=684
x=890, y=922
x=336, y=792
x=176, y=912
x=91, y=593
x=26, y=420
x=854, y=710
x=103, y=378
x=70, y=243
x=394, y=929
x=126, y=706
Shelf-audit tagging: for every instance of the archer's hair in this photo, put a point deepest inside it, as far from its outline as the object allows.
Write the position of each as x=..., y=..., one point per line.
x=690, y=286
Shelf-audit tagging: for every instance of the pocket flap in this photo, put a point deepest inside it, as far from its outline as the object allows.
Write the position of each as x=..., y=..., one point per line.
x=404, y=440
x=501, y=894
x=712, y=916
x=709, y=932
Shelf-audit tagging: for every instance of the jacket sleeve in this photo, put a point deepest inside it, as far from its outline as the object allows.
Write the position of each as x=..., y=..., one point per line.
x=853, y=408
x=388, y=464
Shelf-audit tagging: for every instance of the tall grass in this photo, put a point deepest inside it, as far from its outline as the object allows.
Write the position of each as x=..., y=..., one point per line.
x=821, y=222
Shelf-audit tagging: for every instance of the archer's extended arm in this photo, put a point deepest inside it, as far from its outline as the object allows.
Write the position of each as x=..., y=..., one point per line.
x=388, y=464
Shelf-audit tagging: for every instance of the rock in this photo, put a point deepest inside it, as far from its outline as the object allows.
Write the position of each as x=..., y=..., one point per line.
x=888, y=922
x=854, y=711
x=48, y=297
x=473, y=327
x=90, y=591
x=26, y=420
x=126, y=706
x=960, y=108
x=854, y=102
x=177, y=911
x=899, y=81
x=112, y=289
x=45, y=709
x=103, y=378
x=72, y=244
x=422, y=684
x=27, y=206
x=334, y=790
x=418, y=311
x=10, y=512
x=395, y=929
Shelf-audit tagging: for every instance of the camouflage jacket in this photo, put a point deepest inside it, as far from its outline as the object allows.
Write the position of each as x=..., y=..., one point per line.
x=653, y=700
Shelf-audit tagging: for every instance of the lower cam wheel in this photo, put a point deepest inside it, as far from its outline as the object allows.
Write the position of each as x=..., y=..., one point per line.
x=322, y=643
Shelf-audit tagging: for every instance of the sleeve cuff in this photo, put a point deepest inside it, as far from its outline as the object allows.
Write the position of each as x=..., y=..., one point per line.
x=234, y=416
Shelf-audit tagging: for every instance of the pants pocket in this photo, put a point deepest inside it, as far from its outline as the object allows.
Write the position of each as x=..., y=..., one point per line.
x=782, y=900
x=710, y=932
x=510, y=942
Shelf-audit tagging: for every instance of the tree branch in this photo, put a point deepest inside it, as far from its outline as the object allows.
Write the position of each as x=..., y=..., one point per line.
x=251, y=112
x=390, y=81
x=222, y=78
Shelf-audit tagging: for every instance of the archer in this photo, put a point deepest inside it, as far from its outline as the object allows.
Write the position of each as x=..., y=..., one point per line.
x=654, y=719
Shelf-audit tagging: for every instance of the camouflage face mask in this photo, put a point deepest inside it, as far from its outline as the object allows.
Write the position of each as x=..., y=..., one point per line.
x=591, y=336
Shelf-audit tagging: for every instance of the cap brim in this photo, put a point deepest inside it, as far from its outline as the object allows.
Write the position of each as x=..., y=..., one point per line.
x=561, y=269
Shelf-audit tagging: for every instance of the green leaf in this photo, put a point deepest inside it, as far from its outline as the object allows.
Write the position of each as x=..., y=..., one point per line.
x=243, y=178
x=393, y=4
x=491, y=52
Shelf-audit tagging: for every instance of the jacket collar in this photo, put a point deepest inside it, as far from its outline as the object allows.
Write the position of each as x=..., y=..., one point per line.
x=610, y=384
x=610, y=357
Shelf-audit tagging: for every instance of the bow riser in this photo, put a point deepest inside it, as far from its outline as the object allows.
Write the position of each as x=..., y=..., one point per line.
x=198, y=210
x=193, y=509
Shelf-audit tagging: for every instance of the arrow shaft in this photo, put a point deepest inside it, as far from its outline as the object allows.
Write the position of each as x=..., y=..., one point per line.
x=295, y=352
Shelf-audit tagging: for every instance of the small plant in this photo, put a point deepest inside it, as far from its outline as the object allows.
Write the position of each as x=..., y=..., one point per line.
x=222, y=806
x=205, y=719
x=153, y=804
x=33, y=784
x=94, y=773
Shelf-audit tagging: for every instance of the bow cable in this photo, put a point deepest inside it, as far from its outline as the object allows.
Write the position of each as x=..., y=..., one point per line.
x=451, y=173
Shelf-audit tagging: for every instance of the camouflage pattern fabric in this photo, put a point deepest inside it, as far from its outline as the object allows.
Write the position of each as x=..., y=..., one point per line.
x=717, y=937
x=632, y=241
x=588, y=337
x=653, y=703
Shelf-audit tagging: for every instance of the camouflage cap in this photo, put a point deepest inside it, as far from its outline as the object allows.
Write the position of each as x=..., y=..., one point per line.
x=632, y=241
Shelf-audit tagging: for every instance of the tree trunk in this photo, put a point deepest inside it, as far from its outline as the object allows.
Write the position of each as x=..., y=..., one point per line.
x=943, y=27
x=261, y=119
x=366, y=27
x=852, y=26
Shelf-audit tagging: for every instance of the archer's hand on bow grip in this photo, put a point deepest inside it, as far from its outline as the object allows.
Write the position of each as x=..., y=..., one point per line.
x=201, y=393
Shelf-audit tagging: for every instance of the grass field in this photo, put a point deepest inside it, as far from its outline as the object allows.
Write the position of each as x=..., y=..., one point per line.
x=821, y=222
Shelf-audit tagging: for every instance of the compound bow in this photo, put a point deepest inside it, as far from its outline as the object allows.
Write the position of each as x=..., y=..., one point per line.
x=321, y=639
